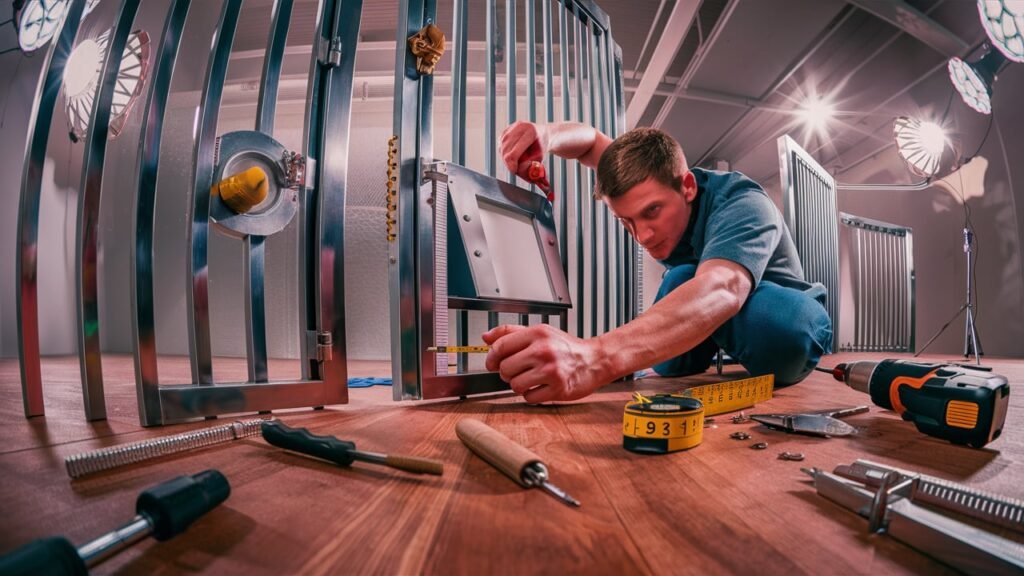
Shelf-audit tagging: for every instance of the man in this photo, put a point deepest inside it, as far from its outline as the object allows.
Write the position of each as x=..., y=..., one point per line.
x=733, y=276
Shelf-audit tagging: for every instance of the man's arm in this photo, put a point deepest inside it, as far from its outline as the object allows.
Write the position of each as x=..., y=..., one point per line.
x=524, y=142
x=544, y=364
x=680, y=321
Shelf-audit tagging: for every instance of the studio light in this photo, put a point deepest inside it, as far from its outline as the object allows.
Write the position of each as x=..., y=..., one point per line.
x=816, y=113
x=39, y=20
x=974, y=80
x=82, y=74
x=1003, y=21
x=920, y=144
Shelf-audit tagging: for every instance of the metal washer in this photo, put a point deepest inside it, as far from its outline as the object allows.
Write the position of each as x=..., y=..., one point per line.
x=238, y=151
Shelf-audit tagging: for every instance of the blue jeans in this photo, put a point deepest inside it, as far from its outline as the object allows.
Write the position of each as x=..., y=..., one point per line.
x=779, y=330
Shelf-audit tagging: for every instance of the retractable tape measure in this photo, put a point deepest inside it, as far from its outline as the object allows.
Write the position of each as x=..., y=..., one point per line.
x=666, y=423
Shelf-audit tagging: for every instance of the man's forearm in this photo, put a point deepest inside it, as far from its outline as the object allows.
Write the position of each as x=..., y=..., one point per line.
x=677, y=323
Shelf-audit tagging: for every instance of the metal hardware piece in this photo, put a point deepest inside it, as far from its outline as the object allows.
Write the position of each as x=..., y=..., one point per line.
x=739, y=436
x=740, y=418
x=791, y=456
x=992, y=508
x=123, y=454
x=759, y=446
x=965, y=547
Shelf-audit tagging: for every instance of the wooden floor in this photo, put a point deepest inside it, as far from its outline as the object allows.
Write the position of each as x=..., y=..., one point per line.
x=719, y=508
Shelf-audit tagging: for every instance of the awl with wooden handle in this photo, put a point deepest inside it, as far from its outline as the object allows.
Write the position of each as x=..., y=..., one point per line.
x=341, y=452
x=513, y=460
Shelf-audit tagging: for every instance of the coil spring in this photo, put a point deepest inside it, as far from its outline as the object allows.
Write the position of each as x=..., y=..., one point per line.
x=114, y=456
x=392, y=195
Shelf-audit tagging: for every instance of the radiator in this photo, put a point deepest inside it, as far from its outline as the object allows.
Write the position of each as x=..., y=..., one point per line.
x=882, y=283
x=809, y=208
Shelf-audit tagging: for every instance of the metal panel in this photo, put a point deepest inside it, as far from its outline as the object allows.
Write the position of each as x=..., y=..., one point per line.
x=882, y=278
x=809, y=209
x=86, y=268
x=28, y=209
x=143, y=321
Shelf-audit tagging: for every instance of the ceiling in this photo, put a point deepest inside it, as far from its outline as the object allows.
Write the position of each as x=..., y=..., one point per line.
x=725, y=77
x=740, y=72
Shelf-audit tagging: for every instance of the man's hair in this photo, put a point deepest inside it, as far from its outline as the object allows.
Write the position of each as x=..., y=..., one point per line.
x=636, y=156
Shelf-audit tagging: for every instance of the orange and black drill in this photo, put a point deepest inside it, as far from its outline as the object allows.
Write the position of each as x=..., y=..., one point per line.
x=948, y=401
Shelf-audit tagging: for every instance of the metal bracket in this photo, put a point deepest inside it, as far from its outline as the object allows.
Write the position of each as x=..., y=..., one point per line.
x=330, y=52
x=319, y=345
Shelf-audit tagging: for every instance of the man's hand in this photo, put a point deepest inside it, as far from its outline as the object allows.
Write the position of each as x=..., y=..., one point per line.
x=543, y=363
x=523, y=143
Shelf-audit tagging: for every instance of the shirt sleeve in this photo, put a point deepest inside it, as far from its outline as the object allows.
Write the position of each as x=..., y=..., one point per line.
x=745, y=229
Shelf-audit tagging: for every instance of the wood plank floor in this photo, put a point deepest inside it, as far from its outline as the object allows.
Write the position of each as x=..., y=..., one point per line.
x=719, y=508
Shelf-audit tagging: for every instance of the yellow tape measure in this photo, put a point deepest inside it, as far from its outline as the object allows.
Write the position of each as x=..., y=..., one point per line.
x=460, y=349
x=722, y=397
x=666, y=423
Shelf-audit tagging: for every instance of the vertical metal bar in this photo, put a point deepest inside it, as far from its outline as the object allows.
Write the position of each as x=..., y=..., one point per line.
x=858, y=335
x=254, y=247
x=578, y=180
x=563, y=173
x=28, y=209
x=587, y=183
x=510, y=70
x=460, y=30
x=411, y=257
x=86, y=268
x=597, y=76
x=196, y=293
x=911, y=295
x=332, y=187
x=549, y=113
x=595, y=253
x=309, y=272
x=531, y=60
x=266, y=106
x=490, y=96
x=143, y=321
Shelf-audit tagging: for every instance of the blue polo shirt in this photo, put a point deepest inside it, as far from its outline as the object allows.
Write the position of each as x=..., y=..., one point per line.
x=734, y=219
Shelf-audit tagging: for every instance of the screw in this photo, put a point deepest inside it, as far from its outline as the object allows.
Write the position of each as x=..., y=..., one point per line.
x=465, y=217
x=739, y=436
x=477, y=253
x=740, y=418
x=709, y=422
x=792, y=456
x=759, y=446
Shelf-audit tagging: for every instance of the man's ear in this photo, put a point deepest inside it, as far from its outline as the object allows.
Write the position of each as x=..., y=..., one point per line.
x=689, y=186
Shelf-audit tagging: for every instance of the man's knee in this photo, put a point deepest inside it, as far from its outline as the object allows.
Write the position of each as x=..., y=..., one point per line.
x=785, y=336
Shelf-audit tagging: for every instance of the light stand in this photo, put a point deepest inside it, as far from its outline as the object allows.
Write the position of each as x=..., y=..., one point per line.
x=972, y=342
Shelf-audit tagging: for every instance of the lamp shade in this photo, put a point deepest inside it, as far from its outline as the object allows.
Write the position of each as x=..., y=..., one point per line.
x=39, y=20
x=974, y=80
x=1003, y=21
x=920, y=144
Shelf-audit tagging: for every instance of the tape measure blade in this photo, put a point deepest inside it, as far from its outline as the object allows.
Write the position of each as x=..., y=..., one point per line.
x=732, y=395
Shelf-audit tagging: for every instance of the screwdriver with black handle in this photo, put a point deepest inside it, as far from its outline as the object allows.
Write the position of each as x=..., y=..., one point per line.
x=163, y=511
x=948, y=401
x=341, y=452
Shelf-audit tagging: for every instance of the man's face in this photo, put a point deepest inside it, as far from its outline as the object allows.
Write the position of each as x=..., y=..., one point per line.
x=656, y=215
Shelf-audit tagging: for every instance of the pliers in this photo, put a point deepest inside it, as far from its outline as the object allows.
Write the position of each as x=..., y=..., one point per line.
x=823, y=423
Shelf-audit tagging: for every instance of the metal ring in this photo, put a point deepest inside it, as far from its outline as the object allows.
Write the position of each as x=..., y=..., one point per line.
x=237, y=151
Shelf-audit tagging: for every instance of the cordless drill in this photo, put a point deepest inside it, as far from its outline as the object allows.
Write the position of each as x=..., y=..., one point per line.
x=948, y=401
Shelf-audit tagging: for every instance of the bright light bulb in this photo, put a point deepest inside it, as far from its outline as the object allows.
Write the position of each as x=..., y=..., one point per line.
x=933, y=138
x=816, y=113
x=83, y=68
